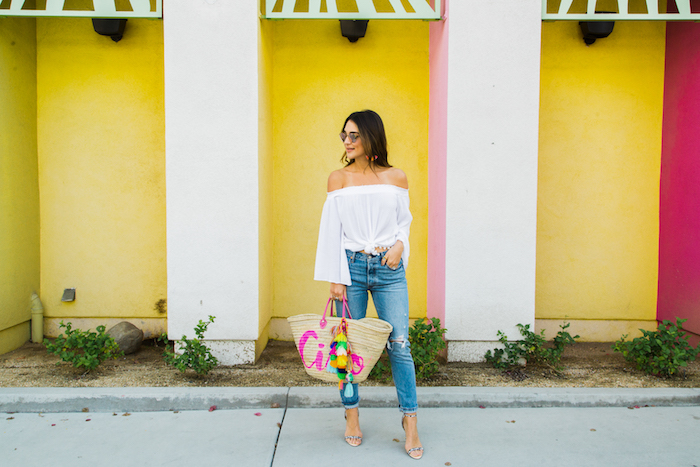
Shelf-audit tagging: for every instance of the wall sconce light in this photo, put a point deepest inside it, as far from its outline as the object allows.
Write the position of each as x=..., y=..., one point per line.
x=353, y=29
x=593, y=30
x=68, y=295
x=111, y=27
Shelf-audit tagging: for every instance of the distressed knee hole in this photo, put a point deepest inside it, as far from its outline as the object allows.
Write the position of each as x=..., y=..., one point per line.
x=398, y=340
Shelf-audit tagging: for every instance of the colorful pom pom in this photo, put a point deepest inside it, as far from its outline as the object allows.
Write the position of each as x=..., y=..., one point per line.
x=331, y=369
x=340, y=361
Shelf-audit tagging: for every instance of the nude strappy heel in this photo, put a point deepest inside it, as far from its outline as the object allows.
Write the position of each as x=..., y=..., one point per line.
x=416, y=449
x=350, y=439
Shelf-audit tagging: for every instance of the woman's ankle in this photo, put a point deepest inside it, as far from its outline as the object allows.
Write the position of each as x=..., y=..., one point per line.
x=409, y=421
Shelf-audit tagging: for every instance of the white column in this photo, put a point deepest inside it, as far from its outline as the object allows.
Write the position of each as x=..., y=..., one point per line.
x=492, y=132
x=211, y=139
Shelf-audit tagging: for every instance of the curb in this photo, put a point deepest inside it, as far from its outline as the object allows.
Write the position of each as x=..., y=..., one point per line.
x=472, y=397
x=152, y=399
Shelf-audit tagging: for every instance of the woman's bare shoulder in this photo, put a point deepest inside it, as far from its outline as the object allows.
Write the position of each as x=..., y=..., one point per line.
x=336, y=180
x=397, y=177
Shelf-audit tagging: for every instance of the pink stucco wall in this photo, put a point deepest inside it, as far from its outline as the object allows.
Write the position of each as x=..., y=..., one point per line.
x=679, y=226
x=437, y=167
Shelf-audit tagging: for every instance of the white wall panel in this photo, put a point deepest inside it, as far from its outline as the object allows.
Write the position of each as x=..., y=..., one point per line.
x=211, y=109
x=493, y=108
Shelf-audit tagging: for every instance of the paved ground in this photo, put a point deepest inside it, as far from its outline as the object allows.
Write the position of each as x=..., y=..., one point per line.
x=173, y=426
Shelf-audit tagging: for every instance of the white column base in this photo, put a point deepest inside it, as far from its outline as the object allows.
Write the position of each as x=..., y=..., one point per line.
x=233, y=352
x=229, y=352
x=470, y=351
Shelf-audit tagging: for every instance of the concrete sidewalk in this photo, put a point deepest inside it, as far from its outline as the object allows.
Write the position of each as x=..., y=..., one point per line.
x=304, y=426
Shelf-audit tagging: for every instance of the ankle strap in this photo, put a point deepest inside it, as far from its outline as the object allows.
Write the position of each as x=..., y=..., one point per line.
x=412, y=415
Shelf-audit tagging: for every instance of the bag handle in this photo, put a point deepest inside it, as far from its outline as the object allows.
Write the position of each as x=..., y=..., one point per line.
x=346, y=308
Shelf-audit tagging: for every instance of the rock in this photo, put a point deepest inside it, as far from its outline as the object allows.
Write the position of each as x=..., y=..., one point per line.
x=128, y=336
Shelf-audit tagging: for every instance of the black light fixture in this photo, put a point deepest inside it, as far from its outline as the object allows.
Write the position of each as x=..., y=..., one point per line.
x=112, y=27
x=353, y=29
x=593, y=30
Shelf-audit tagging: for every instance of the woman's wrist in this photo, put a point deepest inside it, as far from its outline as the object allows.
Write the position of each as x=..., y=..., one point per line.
x=337, y=291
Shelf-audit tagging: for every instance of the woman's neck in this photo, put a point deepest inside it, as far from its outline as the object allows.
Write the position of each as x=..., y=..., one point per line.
x=360, y=165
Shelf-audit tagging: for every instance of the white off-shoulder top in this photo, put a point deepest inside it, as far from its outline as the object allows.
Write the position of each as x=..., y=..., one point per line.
x=358, y=218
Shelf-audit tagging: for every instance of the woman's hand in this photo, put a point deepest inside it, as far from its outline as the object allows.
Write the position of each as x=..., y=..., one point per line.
x=338, y=291
x=393, y=255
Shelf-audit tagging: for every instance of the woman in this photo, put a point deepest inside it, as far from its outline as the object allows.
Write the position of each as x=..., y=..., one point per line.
x=363, y=246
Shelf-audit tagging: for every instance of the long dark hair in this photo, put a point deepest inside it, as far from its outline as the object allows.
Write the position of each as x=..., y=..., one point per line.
x=373, y=136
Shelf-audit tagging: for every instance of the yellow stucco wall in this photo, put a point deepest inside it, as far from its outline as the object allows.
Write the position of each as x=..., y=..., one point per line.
x=599, y=162
x=19, y=189
x=102, y=168
x=319, y=78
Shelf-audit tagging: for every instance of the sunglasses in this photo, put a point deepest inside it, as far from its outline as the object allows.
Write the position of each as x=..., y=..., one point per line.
x=353, y=136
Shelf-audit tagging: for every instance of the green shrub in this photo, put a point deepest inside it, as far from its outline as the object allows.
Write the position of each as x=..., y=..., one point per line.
x=161, y=340
x=426, y=338
x=533, y=349
x=84, y=349
x=195, y=354
x=662, y=352
x=426, y=341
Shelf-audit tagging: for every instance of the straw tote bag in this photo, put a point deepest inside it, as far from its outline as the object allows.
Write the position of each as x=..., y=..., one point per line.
x=313, y=335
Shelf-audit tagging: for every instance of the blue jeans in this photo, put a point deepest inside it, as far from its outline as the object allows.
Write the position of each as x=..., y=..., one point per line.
x=390, y=296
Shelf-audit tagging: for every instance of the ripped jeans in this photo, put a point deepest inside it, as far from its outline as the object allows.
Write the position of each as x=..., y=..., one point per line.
x=390, y=296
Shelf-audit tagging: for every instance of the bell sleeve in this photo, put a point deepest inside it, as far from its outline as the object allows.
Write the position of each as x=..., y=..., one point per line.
x=404, y=218
x=331, y=261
